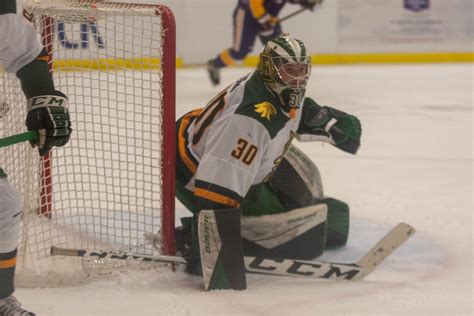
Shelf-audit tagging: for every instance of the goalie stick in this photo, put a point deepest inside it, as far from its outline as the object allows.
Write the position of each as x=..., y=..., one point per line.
x=279, y=266
x=289, y=16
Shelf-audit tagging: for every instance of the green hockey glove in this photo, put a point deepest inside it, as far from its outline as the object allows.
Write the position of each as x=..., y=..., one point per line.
x=330, y=125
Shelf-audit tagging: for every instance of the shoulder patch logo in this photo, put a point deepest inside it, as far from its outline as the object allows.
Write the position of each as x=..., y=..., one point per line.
x=265, y=109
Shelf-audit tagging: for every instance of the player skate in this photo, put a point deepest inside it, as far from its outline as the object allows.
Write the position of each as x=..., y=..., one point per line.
x=11, y=307
x=213, y=72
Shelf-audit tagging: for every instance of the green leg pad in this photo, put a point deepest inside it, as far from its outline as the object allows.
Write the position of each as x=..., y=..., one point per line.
x=261, y=200
x=338, y=222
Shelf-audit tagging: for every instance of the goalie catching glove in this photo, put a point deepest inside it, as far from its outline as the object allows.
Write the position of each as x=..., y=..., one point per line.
x=330, y=125
x=48, y=114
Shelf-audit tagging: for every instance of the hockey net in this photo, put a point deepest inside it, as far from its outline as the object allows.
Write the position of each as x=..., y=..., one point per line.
x=114, y=181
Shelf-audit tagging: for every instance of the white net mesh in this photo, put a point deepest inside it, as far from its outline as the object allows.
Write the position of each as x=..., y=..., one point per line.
x=103, y=190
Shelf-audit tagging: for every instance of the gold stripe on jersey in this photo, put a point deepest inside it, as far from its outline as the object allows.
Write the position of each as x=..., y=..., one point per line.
x=43, y=58
x=216, y=197
x=257, y=8
x=7, y=264
x=182, y=140
x=226, y=58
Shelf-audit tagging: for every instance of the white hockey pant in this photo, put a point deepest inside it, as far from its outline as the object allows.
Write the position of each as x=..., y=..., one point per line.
x=10, y=213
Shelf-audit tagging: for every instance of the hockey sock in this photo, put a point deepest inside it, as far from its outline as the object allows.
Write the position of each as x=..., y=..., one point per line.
x=7, y=272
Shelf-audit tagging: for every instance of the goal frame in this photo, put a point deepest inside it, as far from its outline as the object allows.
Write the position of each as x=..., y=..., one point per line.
x=168, y=146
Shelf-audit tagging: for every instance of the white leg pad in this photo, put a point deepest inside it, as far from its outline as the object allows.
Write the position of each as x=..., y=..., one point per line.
x=270, y=231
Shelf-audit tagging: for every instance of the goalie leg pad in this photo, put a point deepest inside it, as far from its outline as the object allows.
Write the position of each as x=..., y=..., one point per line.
x=297, y=234
x=297, y=180
x=261, y=200
x=220, y=244
x=338, y=222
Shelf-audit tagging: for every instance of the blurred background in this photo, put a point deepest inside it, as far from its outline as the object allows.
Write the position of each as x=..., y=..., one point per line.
x=339, y=31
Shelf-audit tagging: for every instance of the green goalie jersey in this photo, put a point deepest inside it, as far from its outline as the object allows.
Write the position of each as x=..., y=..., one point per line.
x=235, y=142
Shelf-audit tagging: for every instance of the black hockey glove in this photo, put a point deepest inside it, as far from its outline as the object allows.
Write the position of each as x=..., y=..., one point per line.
x=307, y=4
x=48, y=114
x=328, y=124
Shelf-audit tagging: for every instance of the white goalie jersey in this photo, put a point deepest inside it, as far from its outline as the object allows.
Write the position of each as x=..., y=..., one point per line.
x=236, y=140
x=19, y=41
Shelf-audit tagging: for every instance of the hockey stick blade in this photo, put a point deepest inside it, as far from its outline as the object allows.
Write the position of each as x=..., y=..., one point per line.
x=303, y=268
x=334, y=271
x=18, y=138
x=279, y=266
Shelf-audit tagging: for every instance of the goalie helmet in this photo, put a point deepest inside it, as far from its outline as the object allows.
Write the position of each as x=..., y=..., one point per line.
x=285, y=66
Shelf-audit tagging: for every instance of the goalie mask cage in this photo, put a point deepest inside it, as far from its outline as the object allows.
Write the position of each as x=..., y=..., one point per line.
x=114, y=181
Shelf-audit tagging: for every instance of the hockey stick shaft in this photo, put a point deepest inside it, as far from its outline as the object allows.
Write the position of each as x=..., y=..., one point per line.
x=289, y=16
x=99, y=254
x=18, y=138
x=386, y=246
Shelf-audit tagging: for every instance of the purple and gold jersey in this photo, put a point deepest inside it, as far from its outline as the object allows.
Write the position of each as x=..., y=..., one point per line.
x=259, y=8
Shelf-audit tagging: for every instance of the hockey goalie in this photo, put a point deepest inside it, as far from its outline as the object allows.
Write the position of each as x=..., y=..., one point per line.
x=250, y=190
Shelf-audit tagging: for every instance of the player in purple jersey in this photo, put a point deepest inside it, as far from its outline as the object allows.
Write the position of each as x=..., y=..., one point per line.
x=252, y=19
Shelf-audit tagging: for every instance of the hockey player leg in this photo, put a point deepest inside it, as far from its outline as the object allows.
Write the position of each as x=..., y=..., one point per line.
x=245, y=30
x=10, y=209
x=220, y=243
x=338, y=222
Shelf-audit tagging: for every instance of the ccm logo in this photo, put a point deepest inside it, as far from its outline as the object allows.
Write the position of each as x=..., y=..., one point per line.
x=47, y=100
x=298, y=268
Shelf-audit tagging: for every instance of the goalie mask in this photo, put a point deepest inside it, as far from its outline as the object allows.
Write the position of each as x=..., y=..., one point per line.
x=285, y=66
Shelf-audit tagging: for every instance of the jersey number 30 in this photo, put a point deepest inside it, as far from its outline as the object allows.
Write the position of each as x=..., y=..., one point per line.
x=244, y=151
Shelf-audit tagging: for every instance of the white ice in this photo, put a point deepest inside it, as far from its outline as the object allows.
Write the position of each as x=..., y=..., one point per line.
x=415, y=165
